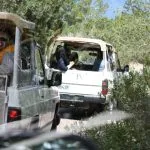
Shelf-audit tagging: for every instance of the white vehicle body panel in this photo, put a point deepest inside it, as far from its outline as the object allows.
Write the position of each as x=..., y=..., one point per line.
x=28, y=97
x=83, y=82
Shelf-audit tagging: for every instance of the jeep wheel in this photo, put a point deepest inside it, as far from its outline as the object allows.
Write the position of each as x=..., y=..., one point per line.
x=56, y=121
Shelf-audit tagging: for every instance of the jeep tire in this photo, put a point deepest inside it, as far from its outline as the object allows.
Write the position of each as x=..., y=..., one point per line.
x=56, y=119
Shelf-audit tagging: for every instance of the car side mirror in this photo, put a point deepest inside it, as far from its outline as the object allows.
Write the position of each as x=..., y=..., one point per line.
x=54, y=77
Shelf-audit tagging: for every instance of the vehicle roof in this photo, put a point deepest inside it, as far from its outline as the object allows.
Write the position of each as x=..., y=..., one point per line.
x=18, y=21
x=82, y=40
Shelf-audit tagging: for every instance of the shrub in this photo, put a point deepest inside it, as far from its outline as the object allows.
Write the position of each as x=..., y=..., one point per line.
x=132, y=93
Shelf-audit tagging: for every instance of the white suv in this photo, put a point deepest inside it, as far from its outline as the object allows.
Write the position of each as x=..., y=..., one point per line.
x=85, y=85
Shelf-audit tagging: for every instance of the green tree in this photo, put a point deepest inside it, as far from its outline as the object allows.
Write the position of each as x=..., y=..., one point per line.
x=51, y=15
x=48, y=15
x=128, y=32
x=136, y=6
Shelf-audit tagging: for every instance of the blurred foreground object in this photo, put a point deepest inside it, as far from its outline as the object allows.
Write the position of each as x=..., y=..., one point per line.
x=45, y=141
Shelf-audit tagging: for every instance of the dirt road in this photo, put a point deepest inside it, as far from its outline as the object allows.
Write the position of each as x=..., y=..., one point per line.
x=70, y=125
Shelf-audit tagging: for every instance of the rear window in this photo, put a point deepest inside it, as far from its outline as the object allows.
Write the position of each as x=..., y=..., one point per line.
x=87, y=54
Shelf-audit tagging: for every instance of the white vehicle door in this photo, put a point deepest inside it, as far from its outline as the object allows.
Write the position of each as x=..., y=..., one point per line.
x=48, y=95
x=26, y=95
x=33, y=97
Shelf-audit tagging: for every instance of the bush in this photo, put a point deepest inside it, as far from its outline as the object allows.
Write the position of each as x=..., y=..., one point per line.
x=132, y=93
x=120, y=136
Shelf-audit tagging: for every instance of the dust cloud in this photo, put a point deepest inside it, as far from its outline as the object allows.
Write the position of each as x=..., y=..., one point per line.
x=75, y=126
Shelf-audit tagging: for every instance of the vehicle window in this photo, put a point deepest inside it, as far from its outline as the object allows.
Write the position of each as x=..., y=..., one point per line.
x=38, y=64
x=25, y=64
x=87, y=57
x=25, y=56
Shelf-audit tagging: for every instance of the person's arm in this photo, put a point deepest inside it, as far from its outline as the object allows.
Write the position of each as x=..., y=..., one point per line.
x=61, y=65
x=71, y=64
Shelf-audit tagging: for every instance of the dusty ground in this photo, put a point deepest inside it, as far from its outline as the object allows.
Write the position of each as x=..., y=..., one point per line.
x=71, y=125
x=66, y=124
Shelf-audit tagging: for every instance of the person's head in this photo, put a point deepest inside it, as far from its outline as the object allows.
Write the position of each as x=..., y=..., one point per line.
x=67, y=49
x=60, y=52
x=74, y=56
x=4, y=38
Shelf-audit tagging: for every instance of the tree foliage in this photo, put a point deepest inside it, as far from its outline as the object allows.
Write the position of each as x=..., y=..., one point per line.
x=136, y=6
x=51, y=15
x=128, y=32
x=47, y=14
x=132, y=93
